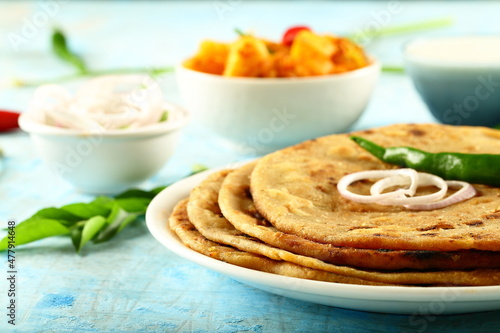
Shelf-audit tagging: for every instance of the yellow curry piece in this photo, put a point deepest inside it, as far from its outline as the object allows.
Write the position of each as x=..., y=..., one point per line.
x=310, y=54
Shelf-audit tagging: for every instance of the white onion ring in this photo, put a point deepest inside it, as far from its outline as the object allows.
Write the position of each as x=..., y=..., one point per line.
x=424, y=179
x=466, y=192
x=405, y=197
x=347, y=180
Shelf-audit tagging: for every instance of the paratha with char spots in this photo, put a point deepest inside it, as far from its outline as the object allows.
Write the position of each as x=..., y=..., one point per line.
x=295, y=190
x=237, y=206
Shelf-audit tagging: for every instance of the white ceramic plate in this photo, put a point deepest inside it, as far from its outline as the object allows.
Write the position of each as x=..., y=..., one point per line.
x=401, y=300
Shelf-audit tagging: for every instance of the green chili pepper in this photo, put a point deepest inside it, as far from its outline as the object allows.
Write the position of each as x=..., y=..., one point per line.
x=472, y=168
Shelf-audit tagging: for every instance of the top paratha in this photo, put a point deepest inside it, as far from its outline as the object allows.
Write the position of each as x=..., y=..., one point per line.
x=238, y=208
x=295, y=189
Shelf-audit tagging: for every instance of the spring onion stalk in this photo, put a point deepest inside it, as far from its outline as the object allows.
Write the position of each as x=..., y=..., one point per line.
x=404, y=29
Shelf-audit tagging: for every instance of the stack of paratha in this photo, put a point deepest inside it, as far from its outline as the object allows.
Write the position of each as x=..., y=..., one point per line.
x=283, y=214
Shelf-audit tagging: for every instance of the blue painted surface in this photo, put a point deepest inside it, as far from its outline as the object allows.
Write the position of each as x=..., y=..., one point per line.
x=133, y=284
x=55, y=301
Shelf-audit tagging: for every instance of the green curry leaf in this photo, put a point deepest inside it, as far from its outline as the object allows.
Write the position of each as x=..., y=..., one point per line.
x=34, y=229
x=86, y=210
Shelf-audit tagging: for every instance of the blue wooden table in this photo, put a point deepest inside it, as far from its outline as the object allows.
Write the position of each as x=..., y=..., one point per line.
x=133, y=283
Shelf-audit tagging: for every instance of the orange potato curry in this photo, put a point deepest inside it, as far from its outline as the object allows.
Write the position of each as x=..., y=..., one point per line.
x=301, y=53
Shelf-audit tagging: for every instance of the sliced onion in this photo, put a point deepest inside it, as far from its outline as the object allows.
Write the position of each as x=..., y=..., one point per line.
x=407, y=173
x=405, y=196
x=466, y=192
x=105, y=102
x=424, y=179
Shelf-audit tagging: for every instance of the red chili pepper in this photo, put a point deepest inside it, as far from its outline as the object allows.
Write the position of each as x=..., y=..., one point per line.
x=8, y=120
x=290, y=34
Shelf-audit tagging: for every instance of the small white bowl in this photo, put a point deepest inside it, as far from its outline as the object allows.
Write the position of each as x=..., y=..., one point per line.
x=264, y=114
x=457, y=77
x=110, y=161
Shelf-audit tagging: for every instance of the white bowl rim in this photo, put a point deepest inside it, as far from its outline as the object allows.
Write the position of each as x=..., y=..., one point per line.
x=182, y=118
x=447, y=63
x=374, y=65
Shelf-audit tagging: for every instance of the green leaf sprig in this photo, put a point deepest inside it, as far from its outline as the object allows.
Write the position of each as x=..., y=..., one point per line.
x=97, y=221
x=61, y=49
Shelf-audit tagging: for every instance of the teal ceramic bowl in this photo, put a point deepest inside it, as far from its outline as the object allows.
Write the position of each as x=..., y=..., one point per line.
x=458, y=78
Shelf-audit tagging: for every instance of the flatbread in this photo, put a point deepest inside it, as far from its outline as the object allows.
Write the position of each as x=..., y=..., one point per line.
x=204, y=215
x=186, y=231
x=238, y=208
x=295, y=190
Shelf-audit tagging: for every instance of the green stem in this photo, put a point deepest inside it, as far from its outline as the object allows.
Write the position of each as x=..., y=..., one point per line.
x=414, y=27
x=393, y=69
x=405, y=28
x=239, y=32
x=65, y=78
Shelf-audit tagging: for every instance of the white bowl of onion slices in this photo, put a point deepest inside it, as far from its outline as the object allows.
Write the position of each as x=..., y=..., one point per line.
x=405, y=181
x=113, y=133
